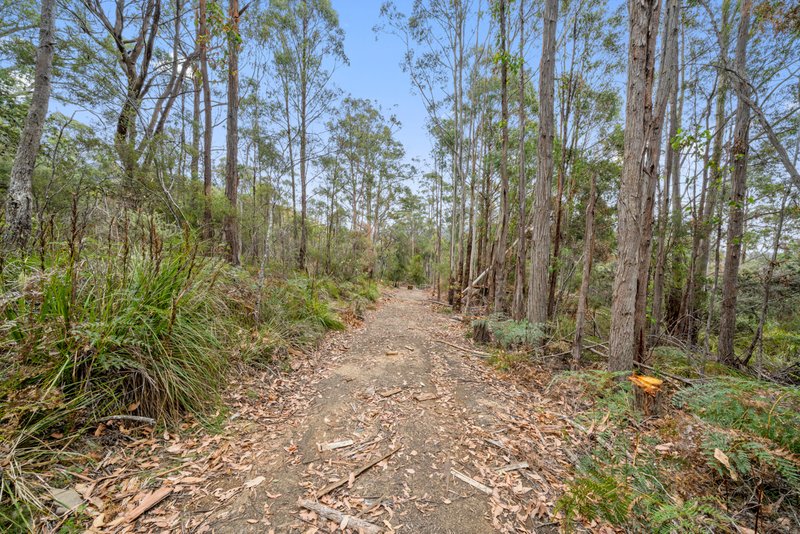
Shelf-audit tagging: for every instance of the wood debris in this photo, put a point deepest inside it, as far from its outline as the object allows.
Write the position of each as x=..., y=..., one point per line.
x=471, y=481
x=342, y=519
x=335, y=445
x=353, y=475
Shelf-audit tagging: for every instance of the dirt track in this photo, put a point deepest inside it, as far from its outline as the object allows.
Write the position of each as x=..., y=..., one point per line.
x=452, y=412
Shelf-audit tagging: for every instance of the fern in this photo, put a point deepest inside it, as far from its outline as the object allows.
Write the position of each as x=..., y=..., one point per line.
x=744, y=456
x=767, y=410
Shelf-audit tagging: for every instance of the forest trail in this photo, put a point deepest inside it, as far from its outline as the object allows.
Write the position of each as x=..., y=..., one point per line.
x=452, y=412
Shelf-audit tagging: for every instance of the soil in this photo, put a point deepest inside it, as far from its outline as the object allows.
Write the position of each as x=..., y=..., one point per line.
x=388, y=384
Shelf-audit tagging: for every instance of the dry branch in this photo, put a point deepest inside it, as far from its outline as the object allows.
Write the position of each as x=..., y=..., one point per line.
x=339, y=517
x=341, y=482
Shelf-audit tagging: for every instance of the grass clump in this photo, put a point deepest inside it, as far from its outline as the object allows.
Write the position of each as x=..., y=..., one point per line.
x=510, y=334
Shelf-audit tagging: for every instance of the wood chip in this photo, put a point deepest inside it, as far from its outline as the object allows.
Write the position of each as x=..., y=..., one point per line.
x=390, y=392
x=426, y=396
x=392, y=353
x=342, y=519
x=471, y=481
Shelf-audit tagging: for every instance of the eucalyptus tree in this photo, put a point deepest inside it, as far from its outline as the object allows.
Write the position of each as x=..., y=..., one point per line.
x=740, y=149
x=310, y=44
x=435, y=34
x=540, y=241
x=19, y=203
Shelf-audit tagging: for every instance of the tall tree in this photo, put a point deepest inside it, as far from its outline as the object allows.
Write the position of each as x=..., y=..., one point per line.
x=203, y=42
x=540, y=241
x=630, y=214
x=739, y=154
x=498, y=286
x=231, y=223
x=310, y=44
x=19, y=204
x=518, y=306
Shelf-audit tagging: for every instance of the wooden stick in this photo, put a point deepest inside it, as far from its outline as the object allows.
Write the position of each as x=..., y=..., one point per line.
x=339, y=517
x=134, y=418
x=472, y=482
x=465, y=349
x=341, y=482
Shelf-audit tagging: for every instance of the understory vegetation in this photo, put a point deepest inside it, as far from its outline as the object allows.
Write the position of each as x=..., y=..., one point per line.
x=144, y=326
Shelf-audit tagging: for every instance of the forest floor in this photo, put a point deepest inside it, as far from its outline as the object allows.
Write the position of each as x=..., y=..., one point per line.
x=465, y=450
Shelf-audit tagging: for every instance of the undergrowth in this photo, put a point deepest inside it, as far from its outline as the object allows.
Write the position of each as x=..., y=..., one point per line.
x=647, y=475
x=143, y=326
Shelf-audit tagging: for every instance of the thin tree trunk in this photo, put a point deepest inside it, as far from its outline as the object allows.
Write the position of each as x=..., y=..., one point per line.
x=19, y=203
x=583, y=295
x=773, y=261
x=203, y=36
x=540, y=240
x=739, y=152
x=232, y=140
x=518, y=307
x=301, y=253
x=499, y=267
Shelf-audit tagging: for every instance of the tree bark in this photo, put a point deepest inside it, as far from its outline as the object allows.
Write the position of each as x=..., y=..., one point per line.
x=204, y=37
x=19, y=203
x=540, y=240
x=622, y=343
x=518, y=306
x=739, y=153
x=231, y=223
x=499, y=268
x=583, y=295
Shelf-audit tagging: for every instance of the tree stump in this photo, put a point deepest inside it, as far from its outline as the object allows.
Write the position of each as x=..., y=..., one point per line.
x=648, y=394
x=481, y=332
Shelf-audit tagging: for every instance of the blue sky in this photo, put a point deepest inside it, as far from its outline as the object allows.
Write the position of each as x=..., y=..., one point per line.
x=375, y=73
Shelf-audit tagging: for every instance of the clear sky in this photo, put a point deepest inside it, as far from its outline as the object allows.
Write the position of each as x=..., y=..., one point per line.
x=375, y=73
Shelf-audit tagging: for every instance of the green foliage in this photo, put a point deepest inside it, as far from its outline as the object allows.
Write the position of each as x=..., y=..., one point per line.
x=764, y=409
x=746, y=457
x=607, y=487
x=510, y=334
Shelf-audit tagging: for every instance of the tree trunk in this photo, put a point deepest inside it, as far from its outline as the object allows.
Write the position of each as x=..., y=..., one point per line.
x=629, y=212
x=518, y=307
x=739, y=151
x=232, y=140
x=194, y=162
x=773, y=261
x=583, y=295
x=301, y=252
x=203, y=36
x=19, y=203
x=540, y=240
x=499, y=268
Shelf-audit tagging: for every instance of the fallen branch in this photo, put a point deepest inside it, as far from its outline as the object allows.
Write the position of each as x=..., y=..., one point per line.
x=512, y=467
x=134, y=418
x=147, y=503
x=342, y=519
x=341, y=482
x=472, y=482
x=465, y=349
